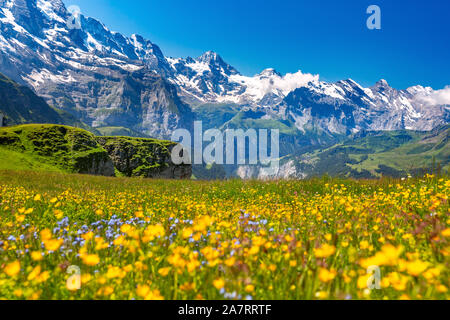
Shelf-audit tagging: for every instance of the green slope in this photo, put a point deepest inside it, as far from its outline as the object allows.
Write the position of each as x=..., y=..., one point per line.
x=430, y=151
x=119, y=132
x=13, y=160
x=67, y=149
x=20, y=105
x=52, y=148
x=372, y=154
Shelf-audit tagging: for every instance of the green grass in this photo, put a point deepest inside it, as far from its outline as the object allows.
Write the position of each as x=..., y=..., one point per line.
x=50, y=147
x=149, y=239
x=119, y=131
x=12, y=160
x=72, y=150
x=419, y=153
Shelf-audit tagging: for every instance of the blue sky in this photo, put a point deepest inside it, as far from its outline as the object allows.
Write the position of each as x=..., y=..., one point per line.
x=325, y=37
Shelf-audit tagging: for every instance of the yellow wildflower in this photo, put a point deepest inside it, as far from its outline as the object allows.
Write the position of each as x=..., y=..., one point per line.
x=325, y=251
x=219, y=283
x=90, y=259
x=12, y=269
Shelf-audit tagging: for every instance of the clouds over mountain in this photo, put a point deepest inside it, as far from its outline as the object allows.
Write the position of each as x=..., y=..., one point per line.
x=434, y=97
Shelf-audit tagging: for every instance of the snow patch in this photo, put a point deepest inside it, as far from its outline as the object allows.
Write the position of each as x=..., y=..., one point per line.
x=47, y=8
x=9, y=19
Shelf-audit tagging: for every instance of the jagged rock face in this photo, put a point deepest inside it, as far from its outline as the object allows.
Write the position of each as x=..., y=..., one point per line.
x=203, y=78
x=346, y=108
x=102, y=77
x=287, y=171
x=147, y=158
x=343, y=107
x=97, y=164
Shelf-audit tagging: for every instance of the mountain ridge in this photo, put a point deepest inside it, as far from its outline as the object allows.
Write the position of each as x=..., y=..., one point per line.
x=95, y=62
x=99, y=76
x=108, y=80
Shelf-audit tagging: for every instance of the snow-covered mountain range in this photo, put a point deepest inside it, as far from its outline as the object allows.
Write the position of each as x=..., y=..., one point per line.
x=107, y=79
x=100, y=76
x=335, y=107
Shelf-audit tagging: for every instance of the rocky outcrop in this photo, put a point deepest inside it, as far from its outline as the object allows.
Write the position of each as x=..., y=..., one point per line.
x=73, y=150
x=140, y=157
x=98, y=163
x=64, y=148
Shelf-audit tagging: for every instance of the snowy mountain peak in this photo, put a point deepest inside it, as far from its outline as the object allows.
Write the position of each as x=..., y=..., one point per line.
x=53, y=3
x=93, y=68
x=139, y=40
x=349, y=83
x=382, y=84
x=215, y=62
x=269, y=72
x=383, y=87
x=210, y=57
x=419, y=90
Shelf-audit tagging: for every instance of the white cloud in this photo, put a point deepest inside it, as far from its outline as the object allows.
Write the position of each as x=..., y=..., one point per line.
x=434, y=98
x=258, y=87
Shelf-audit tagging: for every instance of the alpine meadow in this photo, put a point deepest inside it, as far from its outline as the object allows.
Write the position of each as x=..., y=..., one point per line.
x=139, y=239
x=137, y=171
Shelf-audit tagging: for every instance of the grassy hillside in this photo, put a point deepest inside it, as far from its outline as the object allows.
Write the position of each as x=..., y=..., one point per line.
x=13, y=160
x=19, y=104
x=52, y=148
x=372, y=154
x=66, y=149
x=119, y=131
x=214, y=116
